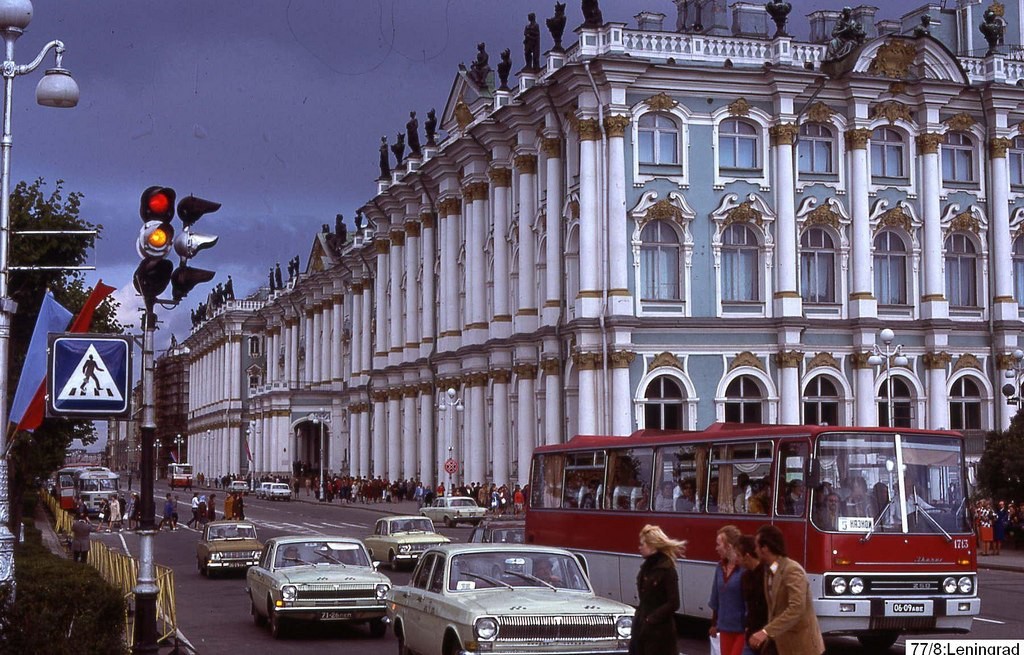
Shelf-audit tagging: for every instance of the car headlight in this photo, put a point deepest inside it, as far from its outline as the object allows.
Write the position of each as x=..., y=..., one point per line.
x=404, y=548
x=624, y=626
x=949, y=585
x=966, y=585
x=216, y=555
x=288, y=592
x=381, y=590
x=254, y=553
x=839, y=585
x=486, y=628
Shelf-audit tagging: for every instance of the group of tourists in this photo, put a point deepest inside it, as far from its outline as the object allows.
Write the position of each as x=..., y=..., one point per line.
x=995, y=523
x=760, y=599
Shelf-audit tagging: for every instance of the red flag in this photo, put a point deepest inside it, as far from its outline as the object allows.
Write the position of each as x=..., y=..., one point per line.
x=36, y=410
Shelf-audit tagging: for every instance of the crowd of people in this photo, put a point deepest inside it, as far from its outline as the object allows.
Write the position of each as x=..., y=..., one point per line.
x=760, y=599
x=996, y=523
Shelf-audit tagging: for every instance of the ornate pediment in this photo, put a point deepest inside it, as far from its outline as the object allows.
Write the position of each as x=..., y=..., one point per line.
x=746, y=358
x=960, y=123
x=660, y=102
x=823, y=359
x=893, y=59
x=891, y=111
x=664, y=360
x=819, y=112
x=739, y=107
x=967, y=360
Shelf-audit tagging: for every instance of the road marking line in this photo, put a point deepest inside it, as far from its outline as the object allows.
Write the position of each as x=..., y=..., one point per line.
x=978, y=618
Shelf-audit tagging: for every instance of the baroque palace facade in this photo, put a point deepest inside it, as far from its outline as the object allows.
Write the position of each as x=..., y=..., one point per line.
x=656, y=229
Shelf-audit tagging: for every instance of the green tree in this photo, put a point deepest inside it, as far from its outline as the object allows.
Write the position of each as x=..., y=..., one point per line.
x=35, y=455
x=1001, y=469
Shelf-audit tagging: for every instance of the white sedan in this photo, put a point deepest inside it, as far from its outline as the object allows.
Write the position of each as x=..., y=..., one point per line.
x=452, y=510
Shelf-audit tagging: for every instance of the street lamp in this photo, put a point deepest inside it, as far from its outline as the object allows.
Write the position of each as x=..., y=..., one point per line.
x=319, y=419
x=177, y=442
x=56, y=89
x=1015, y=372
x=156, y=459
x=888, y=356
x=448, y=400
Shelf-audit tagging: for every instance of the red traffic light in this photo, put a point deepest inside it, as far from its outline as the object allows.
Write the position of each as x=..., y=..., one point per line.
x=157, y=204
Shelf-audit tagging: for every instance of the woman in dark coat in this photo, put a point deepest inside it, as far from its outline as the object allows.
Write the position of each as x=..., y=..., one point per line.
x=657, y=585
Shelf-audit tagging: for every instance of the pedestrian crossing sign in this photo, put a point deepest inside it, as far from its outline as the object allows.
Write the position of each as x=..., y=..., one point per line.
x=89, y=376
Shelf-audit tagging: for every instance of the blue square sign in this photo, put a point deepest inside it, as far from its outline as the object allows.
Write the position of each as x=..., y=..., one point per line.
x=89, y=376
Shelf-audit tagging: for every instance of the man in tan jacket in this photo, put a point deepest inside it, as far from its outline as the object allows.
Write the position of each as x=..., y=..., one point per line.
x=792, y=625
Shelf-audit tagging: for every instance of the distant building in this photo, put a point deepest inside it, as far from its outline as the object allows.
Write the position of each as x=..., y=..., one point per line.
x=660, y=229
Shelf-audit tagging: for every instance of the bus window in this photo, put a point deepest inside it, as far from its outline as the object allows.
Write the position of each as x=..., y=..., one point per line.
x=734, y=470
x=584, y=475
x=792, y=492
x=630, y=479
x=685, y=467
x=546, y=485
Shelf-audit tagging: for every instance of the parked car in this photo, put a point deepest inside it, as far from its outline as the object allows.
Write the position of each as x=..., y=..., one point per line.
x=399, y=540
x=227, y=546
x=277, y=491
x=238, y=486
x=453, y=510
x=316, y=578
x=499, y=531
x=497, y=598
x=261, y=489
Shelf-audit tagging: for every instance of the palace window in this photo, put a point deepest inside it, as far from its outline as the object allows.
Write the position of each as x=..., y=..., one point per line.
x=740, y=264
x=888, y=153
x=961, y=271
x=817, y=266
x=663, y=404
x=814, y=151
x=744, y=401
x=965, y=405
x=658, y=139
x=890, y=269
x=957, y=158
x=1018, y=270
x=659, y=262
x=902, y=407
x=1016, y=161
x=737, y=145
x=821, y=402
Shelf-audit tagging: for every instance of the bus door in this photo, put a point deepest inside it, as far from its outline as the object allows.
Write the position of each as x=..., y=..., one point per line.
x=792, y=492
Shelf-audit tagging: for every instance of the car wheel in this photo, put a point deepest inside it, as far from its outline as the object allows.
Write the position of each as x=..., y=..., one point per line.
x=257, y=618
x=378, y=628
x=277, y=623
x=448, y=522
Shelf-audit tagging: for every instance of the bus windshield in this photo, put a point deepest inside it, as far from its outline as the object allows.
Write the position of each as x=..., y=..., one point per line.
x=93, y=484
x=859, y=484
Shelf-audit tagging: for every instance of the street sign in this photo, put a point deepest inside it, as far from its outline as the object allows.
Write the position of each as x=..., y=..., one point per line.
x=89, y=376
x=451, y=466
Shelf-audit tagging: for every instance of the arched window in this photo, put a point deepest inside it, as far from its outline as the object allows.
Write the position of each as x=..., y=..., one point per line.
x=740, y=269
x=890, y=269
x=658, y=139
x=961, y=271
x=817, y=266
x=659, y=262
x=957, y=158
x=965, y=405
x=821, y=402
x=737, y=145
x=663, y=404
x=888, y=153
x=1016, y=161
x=743, y=401
x=815, y=149
x=254, y=345
x=902, y=406
x=1018, y=270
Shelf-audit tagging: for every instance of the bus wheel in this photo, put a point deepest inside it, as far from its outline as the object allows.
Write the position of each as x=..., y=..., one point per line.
x=878, y=642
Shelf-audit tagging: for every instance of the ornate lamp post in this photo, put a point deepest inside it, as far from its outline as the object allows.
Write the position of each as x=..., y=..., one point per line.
x=56, y=89
x=1015, y=372
x=319, y=419
x=887, y=356
x=178, y=440
x=449, y=401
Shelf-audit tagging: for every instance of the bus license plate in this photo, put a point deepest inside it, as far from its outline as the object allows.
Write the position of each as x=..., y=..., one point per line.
x=904, y=608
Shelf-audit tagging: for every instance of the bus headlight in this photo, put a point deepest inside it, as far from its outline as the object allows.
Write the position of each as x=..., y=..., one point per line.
x=381, y=590
x=856, y=585
x=839, y=586
x=965, y=584
x=288, y=592
x=486, y=628
x=624, y=626
x=949, y=585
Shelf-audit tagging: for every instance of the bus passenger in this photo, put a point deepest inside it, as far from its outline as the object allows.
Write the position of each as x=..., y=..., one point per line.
x=758, y=503
x=826, y=515
x=858, y=503
x=687, y=501
x=793, y=501
x=663, y=502
x=741, y=494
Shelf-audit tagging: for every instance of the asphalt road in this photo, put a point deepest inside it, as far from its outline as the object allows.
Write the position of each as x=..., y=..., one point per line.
x=213, y=614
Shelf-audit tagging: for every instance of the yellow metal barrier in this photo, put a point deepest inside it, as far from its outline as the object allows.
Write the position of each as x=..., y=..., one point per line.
x=122, y=572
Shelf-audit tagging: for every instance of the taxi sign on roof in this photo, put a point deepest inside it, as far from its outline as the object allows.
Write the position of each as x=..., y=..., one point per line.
x=89, y=376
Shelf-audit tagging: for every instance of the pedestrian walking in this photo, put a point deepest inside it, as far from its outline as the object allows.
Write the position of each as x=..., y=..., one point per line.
x=80, y=542
x=211, y=508
x=727, y=605
x=657, y=585
x=194, y=521
x=754, y=601
x=168, y=516
x=115, y=513
x=792, y=624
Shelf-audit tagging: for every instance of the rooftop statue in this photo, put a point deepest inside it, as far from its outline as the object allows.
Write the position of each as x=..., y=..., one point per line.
x=592, y=16
x=480, y=69
x=412, y=135
x=846, y=35
x=385, y=167
x=531, y=45
x=430, y=125
x=556, y=25
x=398, y=149
x=992, y=29
x=779, y=11
x=504, y=66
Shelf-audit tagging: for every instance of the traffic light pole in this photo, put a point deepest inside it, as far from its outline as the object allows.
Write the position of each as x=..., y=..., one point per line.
x=145, y=637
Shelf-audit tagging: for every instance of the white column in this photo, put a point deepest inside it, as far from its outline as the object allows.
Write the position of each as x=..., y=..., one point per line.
x=1004, y=304
x=307, y=352
x=499, y=426
x=358, y=331
x=526, y=418
x=526, y=313
x=289, y=353
x=380, y=297
x=428, y=304
x=412, y=292
x=789, y=387
x=618, y=232
x=864, y=391
x=933, y=303
x=588, y=365
x=501, y=178
x=427, y=437
x=336, y=352
x=397, y=328
x=366, y=329
x=315, y=344
x=938, y=401
x=862, y=299
x=552, y=147
x=409, y=433
x=475, y=434
x=476, y=243
x=590, y=263
x=353, y=440
x=787, y=296
x=394, y=434
x=380, y=433
x=622, y=396
x=364, y=441
x=452, y=325
x=553, y=393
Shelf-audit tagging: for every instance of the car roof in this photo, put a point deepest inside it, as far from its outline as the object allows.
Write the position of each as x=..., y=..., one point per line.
x=504, y=523
x=248, y=524
x=404, y=517
x=458, y=549
x=302, y=538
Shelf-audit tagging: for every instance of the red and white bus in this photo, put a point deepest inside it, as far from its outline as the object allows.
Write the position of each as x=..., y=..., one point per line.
x=881, y=562
x=179, y=475
x=63, y=486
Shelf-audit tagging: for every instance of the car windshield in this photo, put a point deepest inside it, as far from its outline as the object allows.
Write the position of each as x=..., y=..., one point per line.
x=319, y=553
x=411, y=525
x=462, y=502
x=232, y=532
x=860, y=491
x=280, y=486
x=510, y=569
x=508, y=535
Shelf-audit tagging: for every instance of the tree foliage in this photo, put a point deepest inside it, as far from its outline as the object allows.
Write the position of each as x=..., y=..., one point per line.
x=1001, y=469
x=35, y=455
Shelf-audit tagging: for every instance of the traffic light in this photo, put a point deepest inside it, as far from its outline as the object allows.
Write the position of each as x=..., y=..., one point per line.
x=188, y=244
x=154, y=243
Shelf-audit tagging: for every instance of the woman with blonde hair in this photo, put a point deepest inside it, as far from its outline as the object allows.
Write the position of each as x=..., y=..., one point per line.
x=657, y=586
x=727, y=605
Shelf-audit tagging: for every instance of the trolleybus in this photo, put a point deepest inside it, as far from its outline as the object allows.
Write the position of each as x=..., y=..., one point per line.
x=63, y=486
x=877, y=516
x=93, y=484
x=179, y=475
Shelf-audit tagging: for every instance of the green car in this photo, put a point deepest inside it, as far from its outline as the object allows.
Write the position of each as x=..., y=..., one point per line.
x=399, y=540
x=505, y=599
x=316, y=578
x=227, y=546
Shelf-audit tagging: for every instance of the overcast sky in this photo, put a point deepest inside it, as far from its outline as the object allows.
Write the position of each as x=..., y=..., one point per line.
x=274, y=108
